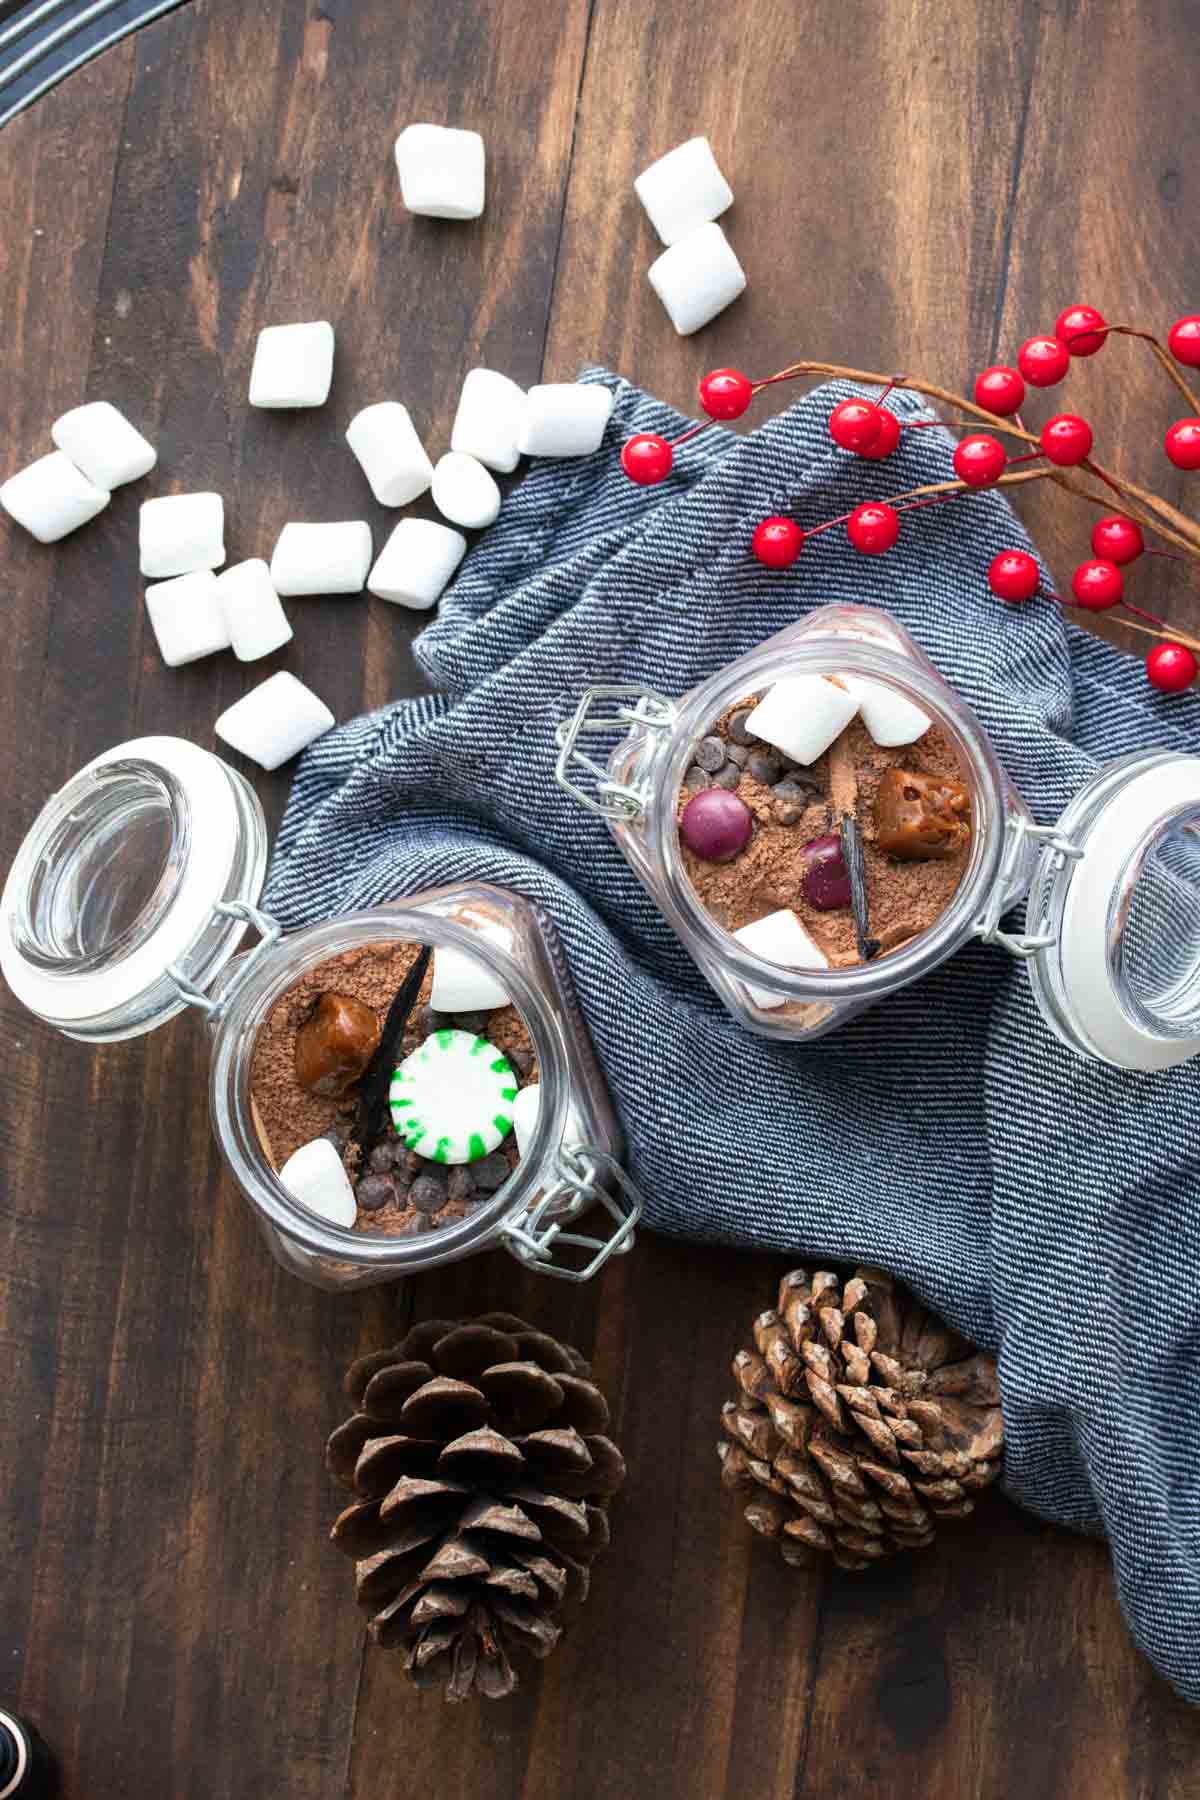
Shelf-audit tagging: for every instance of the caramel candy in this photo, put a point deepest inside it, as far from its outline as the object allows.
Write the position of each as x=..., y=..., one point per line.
x=335, y=1044
x=919, y=817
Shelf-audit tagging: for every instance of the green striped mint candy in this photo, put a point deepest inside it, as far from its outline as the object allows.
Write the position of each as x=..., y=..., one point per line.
x=452, y=1099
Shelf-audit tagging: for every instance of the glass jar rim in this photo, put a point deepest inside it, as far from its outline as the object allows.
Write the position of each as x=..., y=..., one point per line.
x=832, y=656
x=277, y=970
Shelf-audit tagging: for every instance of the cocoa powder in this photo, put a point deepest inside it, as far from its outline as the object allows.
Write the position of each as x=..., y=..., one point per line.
x=288, y=1115
x=905, y=898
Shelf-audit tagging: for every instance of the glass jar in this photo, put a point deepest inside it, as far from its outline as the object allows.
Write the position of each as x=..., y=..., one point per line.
x=1112, y=973
x=128, y=900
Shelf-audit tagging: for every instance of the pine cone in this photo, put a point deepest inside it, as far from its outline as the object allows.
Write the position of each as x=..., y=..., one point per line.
x=846, y=1386
x=484, y=1475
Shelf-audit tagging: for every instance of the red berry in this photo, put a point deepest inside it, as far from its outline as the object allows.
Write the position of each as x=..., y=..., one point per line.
x=1117, y=539
x=1077, y=329
x=1001, y=390
x=1182, y=443
x=889, y=436
x=979, y=460
x=1013, y=575
x=1066, y=439
x=777, y=542
x=716, y=825
x=725, y=393
x=1184, y=341
x=1097, y=585
x=855, y=424
x=873, y=528
x=647, y=458
x=1171, y=668
x=1043, y=361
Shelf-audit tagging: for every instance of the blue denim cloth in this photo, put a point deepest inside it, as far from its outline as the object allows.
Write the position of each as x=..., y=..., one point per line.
x=1044, y=1205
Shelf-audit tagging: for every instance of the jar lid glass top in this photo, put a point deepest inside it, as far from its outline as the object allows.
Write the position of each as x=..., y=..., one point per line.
x=118, y=880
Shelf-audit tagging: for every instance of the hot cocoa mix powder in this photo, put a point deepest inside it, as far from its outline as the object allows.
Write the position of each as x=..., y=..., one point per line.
x=906, y=898
x=288, y=1115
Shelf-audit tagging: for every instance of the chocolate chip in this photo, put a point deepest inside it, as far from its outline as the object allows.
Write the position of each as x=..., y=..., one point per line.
x=738, y=753
x=461, y=1185
x=728, y=778
x=791, y=792
x=764, y=767
x=416, y=1165
x=471, y=1021
x=736, y=728
x=710, y=754
x=428, y=1193
x=787, y=812
x=695, y=781
x=412, y=1226
x=490, y=1172
x=374, y=1191
x=521, y=1059
x=384, y=1157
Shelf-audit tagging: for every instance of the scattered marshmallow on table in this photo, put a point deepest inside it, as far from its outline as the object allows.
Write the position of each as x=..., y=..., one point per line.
x=188, y=618
x=697, y=277
x=315, y=1176
x=891, y=719
x=441, y=171
x=464, y=492
x=102, y=443
x=460, y=984
x=683, y=189
x=322, y=559
x=390, y=454
x=274, y=721
x=564, y=418
x=416, y=564
x=802, y=715
x=52, y=497
x=780, y=938
x=293, y=365
x=256, y=622
x=488, y=422
x=180, y=533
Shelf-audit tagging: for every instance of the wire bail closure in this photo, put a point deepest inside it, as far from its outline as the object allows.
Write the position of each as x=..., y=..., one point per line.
x=611, y=799
x=1019, y=834
x=533, y=1237
x=269, y=930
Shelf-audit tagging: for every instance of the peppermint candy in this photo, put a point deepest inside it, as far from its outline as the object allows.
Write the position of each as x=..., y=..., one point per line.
x=452, y=1099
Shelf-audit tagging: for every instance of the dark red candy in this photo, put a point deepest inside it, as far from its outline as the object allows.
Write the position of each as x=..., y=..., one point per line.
x=825, y=883
x=716, y=825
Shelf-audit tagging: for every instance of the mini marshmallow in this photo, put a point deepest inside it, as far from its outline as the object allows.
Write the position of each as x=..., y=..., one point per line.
x=315, y=1176
x=52, y=497
x=179, y=533
x=464, y=492
x=187, y=617
x=460, y=984
x=391, y=455
x=416, y=563
x=322, y=559
x=802, y=715
x=293, y=365
x=697, y=278
x=491, y=409
x=683, y=189
x=525, y=1110
x=441, y=171
x=564, y=418
x=888, y=716
x=103, y=444
x=274, y=721
x=779, y=938
x=256, y=622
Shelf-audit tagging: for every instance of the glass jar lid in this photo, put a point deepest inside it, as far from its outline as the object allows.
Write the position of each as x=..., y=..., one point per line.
x=1113, y=916
x=117, y=892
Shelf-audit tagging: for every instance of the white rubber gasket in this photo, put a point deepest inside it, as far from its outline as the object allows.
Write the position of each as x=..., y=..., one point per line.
x=214, y=826
x=1091, y=997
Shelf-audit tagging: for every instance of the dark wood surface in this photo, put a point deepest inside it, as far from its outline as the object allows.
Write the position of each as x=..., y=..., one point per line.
x=917, y=186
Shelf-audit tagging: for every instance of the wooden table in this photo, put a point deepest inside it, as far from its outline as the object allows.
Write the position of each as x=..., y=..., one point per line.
x=918, y=186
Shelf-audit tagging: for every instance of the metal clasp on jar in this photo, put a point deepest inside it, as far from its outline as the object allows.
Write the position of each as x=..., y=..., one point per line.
x=1021, y=834
x=534, y=1236
x=610, y=799
x=269, y=931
